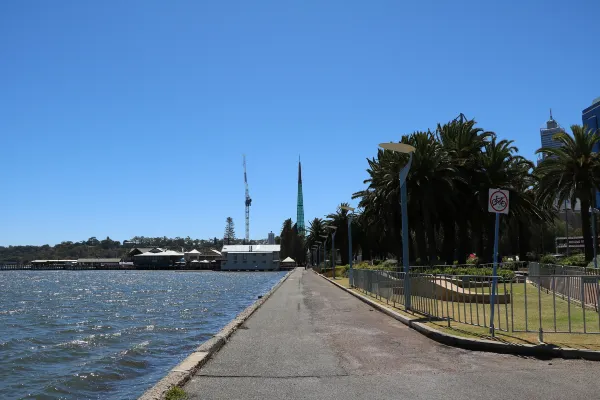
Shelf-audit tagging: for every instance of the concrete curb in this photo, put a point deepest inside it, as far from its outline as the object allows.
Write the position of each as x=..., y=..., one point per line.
x=182, y=373
x=539, y=351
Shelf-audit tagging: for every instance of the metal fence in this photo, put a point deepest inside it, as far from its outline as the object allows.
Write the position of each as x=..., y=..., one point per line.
x=538, y=269
x=543, y=303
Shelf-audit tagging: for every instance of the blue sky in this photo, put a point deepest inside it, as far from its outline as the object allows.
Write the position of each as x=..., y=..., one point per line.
x=130, y=118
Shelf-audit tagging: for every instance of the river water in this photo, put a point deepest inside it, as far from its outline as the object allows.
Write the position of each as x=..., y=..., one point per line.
x=110, y=334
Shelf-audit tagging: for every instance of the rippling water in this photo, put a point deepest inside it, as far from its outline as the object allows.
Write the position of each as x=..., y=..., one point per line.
x=110, y=334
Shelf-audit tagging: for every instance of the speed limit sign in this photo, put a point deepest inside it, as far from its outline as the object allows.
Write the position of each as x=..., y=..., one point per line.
x=498, y=201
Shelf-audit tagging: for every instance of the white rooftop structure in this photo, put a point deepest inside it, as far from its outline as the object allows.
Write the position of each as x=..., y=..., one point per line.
x=192, y=252
x=164, y=253
x=251, y=257
x=248, y=248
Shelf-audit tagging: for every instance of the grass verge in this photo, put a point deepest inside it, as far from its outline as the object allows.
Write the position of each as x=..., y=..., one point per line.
x=514, y=313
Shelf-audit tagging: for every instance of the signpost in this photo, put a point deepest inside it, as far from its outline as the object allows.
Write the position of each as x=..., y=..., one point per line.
x=497, y=204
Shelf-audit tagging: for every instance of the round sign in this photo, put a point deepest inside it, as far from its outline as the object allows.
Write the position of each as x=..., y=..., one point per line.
x=499, y=201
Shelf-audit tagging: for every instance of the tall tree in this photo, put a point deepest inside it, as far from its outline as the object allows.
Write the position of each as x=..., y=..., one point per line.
x=463, y=142
x=339, y=219
x=316, y=229
x=571, y=172
x=229, y=235
x=287, y=239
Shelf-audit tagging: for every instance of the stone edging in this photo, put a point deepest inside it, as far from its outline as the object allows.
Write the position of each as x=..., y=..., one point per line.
x=182, y=373
x=540, y=351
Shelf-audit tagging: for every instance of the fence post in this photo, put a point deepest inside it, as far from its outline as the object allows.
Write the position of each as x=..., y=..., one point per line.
x=541, y=332
x=582, y=283
x=448, y=303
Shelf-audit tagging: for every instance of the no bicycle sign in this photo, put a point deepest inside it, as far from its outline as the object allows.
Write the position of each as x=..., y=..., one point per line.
x=498, y=201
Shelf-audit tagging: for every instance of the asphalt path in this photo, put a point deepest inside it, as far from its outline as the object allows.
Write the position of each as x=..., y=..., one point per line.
x=311, y=340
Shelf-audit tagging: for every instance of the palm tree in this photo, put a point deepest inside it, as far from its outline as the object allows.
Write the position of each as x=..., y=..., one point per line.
x=571, y=172
x=463, y=143
x=501, y=167
x=431, y=182
x=381, y=214
x=430, y=186
x=316, y=229
x=339, y=219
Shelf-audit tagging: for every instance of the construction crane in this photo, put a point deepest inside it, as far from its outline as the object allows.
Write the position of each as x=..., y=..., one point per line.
x=248, y=203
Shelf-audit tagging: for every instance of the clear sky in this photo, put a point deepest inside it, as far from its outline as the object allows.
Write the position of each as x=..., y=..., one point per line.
x=123, y=118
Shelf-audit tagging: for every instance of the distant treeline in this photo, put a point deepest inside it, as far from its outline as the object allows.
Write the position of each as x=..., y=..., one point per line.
x=107, y=248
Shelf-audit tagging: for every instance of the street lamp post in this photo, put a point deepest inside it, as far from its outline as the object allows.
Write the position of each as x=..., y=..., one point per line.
x=594, y=212
x=324, y=237
x=349, y=243
x=318, y=252
x=406, y=149
x=333, y=231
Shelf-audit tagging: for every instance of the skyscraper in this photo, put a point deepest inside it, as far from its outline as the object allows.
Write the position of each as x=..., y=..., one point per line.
x=591, y=120
x=547, y=132
x=591, y=116
x=300, y=207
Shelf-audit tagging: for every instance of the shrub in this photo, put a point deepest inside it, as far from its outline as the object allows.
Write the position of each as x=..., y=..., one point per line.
x=175, y=393
x=389, y=265
x=362, y=265
x=343, y=270
x=548, y=259
x=376, y=262
x=577, y=260
x=473, y=259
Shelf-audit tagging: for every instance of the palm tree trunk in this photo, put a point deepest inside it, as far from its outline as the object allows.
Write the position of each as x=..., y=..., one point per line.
x=477, y=238
x=432, y=247
x=523, y=240
x=420, y=238
x=463, y=239
x=344, y=244
x=586, y=228
x=449, y=241
x=490, y=235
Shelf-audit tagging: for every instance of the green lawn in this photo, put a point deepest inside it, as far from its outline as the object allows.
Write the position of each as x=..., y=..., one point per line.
x=523, y=312
x=512, y=317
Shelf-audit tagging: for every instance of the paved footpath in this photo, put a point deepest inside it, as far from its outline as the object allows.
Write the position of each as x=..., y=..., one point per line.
x=311, y=340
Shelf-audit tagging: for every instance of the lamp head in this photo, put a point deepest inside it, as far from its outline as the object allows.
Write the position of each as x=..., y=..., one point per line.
x=347, y=208
x=397, y=147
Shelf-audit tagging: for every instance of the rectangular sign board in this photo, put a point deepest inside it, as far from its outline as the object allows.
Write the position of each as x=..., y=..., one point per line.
x=498, y=201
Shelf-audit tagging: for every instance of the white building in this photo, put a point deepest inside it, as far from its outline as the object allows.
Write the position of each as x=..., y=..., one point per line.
x=248, y=257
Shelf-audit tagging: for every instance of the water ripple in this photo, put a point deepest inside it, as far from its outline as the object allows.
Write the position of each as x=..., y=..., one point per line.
x=110, y=334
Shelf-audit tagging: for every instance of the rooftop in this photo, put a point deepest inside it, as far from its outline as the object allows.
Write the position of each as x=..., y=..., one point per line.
x=247, y=248
x=167, y=253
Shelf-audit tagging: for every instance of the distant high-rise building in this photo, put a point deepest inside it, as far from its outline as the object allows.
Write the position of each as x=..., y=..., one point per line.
x=591, y=117
x=271, y=238
x=300, y=205
x=591, y=120
x=548, y=131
